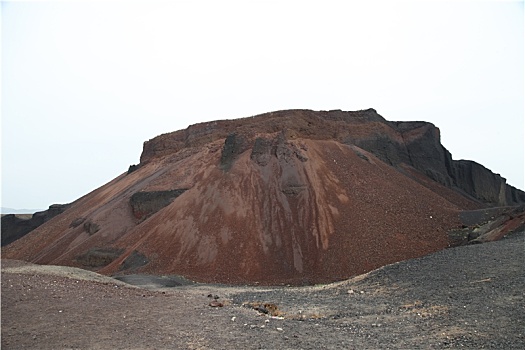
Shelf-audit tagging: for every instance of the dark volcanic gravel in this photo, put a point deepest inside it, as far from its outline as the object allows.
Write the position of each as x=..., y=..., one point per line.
x=466, y=297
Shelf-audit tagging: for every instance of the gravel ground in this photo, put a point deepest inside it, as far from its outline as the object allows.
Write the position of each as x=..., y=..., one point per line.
x=466, y=297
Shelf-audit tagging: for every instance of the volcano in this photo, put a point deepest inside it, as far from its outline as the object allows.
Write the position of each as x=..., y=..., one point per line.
x=287, y=197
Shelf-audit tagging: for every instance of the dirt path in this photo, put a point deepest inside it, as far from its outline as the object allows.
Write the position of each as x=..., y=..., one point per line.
x=466, y=297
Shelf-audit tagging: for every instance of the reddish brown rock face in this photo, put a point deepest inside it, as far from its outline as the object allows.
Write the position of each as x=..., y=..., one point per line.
x=286, y=197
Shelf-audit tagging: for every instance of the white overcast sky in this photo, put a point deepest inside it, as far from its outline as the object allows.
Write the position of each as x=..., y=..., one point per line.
x=84, y=84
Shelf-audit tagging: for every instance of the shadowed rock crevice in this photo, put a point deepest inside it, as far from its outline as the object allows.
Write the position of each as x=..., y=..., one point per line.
x=234, y=145
x=261, y=151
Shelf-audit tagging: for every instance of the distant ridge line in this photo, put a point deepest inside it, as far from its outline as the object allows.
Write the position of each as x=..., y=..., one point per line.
x=5, y=210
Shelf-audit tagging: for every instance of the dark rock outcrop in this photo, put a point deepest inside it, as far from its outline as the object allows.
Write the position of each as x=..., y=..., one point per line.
x=134, y=261
x=77, y=222
x=487, y=225
x=144, y=204
x=133, y=168
x=91, y=227
x=421, y=148
x=483, y=184
x=16, y=226
x=234, y=145
x=98, y=257
x=279, y=147
x=261, y=151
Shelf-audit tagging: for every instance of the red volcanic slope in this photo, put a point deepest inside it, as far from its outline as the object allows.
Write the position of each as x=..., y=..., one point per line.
x=287, y=199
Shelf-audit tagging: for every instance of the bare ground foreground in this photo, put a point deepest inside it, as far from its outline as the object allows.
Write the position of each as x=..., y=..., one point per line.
x=465, y=297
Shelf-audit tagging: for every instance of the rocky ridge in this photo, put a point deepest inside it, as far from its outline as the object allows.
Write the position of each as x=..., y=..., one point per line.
x=294, y=197
x=416, y=144
x=15, y=226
